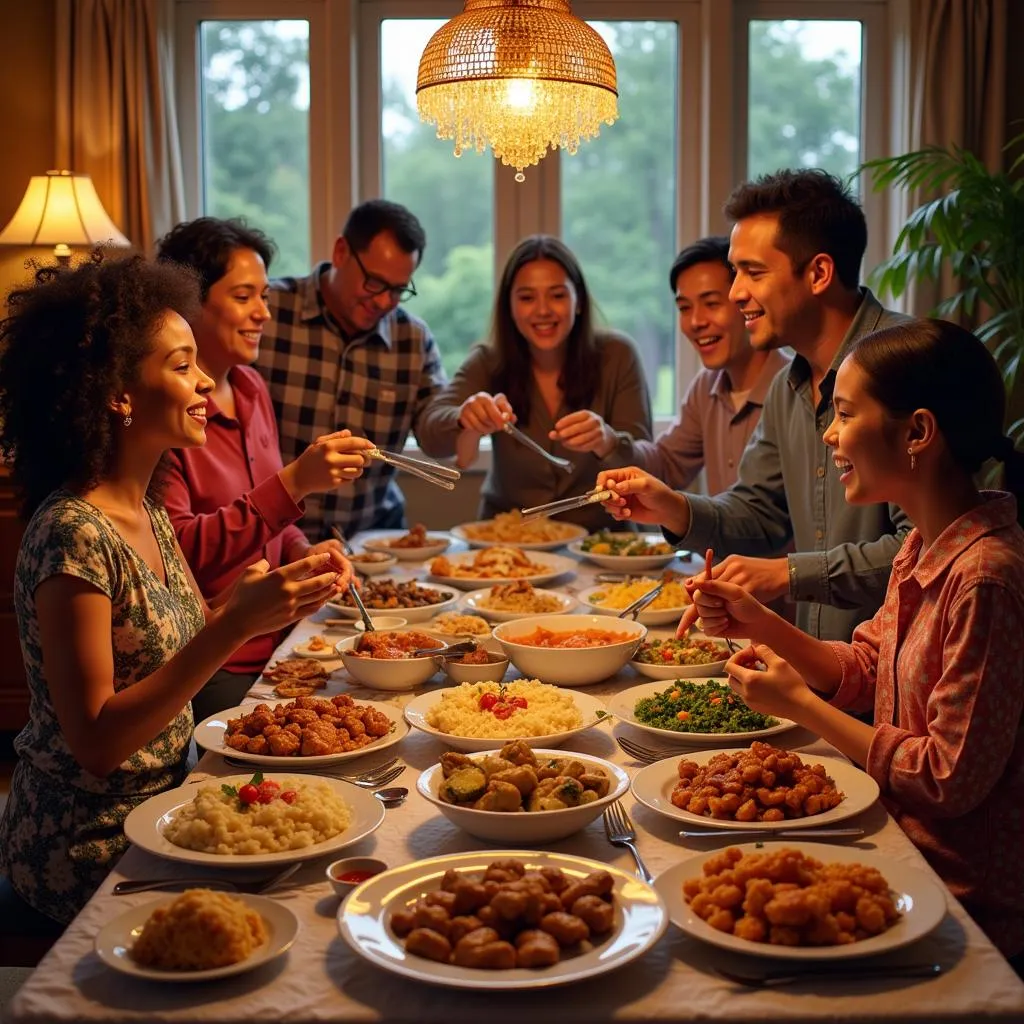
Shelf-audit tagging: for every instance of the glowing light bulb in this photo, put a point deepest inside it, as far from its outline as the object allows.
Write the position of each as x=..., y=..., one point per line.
x=520, y=94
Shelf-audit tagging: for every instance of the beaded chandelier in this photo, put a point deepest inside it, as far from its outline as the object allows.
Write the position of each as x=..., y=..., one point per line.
x=518, y=76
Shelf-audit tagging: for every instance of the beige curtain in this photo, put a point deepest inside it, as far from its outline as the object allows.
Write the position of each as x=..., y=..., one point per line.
x=958, y=91
x=115, y=110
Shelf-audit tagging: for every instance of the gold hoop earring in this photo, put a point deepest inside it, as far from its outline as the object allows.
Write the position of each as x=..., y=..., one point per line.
x=913, y=459
x=128, y=420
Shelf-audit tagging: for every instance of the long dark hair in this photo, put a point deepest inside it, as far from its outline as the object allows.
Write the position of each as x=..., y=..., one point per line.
x=940, y=366
x=513, y=373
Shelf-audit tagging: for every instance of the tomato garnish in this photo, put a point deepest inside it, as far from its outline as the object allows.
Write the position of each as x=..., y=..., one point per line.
x=519, y=702
x=502, y=711
x=289, y=796
x=248, y=794
x=487, y=701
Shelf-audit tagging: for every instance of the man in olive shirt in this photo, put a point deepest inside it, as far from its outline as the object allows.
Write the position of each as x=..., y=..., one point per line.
x=797, y=244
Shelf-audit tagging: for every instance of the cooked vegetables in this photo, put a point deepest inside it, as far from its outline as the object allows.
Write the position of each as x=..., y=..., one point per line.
x=699, y=707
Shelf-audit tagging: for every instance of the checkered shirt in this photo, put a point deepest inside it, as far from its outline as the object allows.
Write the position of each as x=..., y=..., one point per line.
x=376, y=385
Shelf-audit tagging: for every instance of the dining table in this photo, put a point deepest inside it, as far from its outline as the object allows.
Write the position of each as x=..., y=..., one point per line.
x=320, y=978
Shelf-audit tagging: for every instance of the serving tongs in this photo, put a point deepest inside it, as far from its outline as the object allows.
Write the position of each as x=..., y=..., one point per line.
x=433, y=472
x=524, y=439
x=553, y=508
x=632, y=611
x=448, y=651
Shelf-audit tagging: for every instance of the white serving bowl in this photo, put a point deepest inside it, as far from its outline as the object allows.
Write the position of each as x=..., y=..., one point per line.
x=633, y=564
x=526, y=827
x=473, y=603
x=569, y=666
x=714, y=668
x=436, y=544
x=450, y=598
x=381, y=622
x=649, y=616
x=494, y=670
x=386, y=673
x=385, y=563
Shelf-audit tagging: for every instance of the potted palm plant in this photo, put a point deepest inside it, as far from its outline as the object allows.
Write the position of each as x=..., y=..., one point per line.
x=976, y=229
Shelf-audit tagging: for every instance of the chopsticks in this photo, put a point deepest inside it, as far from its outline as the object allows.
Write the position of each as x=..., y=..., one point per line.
x=524, y=439
x=552, y=508
x=433, y=472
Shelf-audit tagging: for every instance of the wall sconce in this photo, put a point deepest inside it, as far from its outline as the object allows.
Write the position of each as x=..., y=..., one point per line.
x=61, y=208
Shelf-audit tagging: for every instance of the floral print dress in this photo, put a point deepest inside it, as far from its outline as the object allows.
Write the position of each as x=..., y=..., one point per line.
x=62, y=830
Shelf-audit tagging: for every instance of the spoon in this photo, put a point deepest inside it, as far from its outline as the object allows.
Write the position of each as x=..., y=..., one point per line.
x=392, y=796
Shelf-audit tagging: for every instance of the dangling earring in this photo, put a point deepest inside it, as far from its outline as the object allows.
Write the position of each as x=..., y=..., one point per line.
x=128, y=420
x=913, y=459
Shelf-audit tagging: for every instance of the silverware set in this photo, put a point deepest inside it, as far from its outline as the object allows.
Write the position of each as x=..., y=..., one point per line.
x=255, y=886
x=370, y=779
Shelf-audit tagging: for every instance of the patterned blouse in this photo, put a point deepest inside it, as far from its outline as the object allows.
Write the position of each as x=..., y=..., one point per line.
x=942, y=662
x=62, y=830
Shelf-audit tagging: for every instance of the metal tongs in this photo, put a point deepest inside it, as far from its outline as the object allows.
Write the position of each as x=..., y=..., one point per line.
x=631, y=611
x=433, y=472
x=524, y=439
x=448, y=651
x=552, y=508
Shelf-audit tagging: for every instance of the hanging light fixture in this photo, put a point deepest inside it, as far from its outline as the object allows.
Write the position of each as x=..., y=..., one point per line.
x=518, y=76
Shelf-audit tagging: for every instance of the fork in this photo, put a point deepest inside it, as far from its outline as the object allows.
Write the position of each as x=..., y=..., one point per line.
x=620, y=832
x=370, y=779
x=258, y=886
x=646, y=754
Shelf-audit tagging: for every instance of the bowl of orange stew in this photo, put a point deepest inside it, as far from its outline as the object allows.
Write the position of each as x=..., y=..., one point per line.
x=569, y=650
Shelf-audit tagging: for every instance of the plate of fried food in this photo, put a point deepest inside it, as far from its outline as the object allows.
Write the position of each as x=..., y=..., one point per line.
x=802, y=901
x=315, y=647
x=409, y=546
x=506, y=601
x=308, y=732
x=198, y=935
x=625, y=550
x=296, y=677
x=429, y=920
x=412, y=602
x=498, y=565
x=759, y=786
x=508, y=528
x=241, y=821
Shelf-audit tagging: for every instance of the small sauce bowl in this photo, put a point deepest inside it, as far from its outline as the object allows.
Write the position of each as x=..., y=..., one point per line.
x=381, y=622
x=349, y=872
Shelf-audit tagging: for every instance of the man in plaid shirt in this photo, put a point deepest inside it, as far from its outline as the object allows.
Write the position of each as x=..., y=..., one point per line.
x=341, y=352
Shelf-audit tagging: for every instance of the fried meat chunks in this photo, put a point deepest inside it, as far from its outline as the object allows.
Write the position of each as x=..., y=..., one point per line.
x=786, y=898
x=509, y=917
x=307, y=727
x=759, y=784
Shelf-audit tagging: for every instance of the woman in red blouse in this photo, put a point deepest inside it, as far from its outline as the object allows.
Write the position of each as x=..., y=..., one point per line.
x=918, y=409
x=232, y=501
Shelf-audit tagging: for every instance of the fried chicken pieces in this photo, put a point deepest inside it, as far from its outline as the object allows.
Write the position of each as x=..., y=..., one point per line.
x=785, y=898
x=511, y=917
x=759, y=784
x=307, y=727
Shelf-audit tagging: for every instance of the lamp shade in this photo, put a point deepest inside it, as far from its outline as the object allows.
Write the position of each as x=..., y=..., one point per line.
x=519, y=76
x=61, y=208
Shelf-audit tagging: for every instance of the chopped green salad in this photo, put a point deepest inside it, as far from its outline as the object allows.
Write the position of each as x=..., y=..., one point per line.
x=605, y=542
x=699, y=707
x=695, y=651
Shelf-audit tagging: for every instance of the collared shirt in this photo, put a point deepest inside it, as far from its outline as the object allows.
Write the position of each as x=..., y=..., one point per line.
x=520, y=478
x=942, y=663
x=710, y=433
x=229, y=507
x=789, y=487
x=376, y=385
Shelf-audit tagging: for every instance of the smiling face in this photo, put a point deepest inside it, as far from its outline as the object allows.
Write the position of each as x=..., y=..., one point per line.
x=779, y=305
x=711, y=323
x=868, y=445
x=167, y=401
x=544, y=304
x=234, y=313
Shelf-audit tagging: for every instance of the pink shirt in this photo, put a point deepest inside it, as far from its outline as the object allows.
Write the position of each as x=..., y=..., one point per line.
x=228, y=505
x=943, y=663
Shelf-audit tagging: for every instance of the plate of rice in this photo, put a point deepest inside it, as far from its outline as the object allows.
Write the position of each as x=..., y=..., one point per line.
x=611, y=598
x=508, y=601
x=475, y=717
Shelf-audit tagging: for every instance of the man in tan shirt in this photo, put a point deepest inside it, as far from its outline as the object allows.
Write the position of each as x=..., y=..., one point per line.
x=723, y=402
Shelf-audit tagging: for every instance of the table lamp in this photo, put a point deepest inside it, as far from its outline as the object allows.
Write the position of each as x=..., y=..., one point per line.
x=61, y=208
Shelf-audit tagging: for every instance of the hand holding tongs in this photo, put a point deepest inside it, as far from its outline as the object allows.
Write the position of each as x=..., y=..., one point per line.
x=524, y=439
x=552, y=508
x=631, y=611
x=433, y=472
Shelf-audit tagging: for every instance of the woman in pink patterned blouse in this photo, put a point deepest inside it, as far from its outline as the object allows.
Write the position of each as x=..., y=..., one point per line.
x=919, y=408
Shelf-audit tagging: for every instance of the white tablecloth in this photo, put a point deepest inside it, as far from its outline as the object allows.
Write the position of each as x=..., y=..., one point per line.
x=321, y=979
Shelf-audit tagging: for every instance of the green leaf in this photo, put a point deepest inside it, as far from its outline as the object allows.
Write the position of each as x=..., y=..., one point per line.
x=256, y=779
x=231, y=791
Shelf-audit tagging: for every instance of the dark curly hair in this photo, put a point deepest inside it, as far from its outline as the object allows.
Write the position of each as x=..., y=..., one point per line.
x=70, y=344
x=206, y=244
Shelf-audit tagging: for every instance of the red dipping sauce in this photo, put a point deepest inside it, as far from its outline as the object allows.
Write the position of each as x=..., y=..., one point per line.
x=355, y=877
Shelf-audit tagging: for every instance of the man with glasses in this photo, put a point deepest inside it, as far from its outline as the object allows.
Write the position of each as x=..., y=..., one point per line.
x=341, y=352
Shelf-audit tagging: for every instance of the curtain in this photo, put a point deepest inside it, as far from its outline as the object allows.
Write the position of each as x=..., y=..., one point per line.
x=115, y=111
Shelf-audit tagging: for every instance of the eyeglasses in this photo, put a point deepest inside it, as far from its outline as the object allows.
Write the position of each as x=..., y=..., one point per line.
x=374, y=285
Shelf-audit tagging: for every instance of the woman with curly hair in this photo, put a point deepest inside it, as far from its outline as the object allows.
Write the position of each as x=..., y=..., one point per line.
x=98, y=378
x=575, y=389
x=231, y=500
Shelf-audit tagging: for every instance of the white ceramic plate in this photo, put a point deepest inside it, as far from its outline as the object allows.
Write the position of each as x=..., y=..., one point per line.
x=145, y=824
x=567, y=532
x=384, y=540
x=920, y=899
x=303, y=650
x=670, y=672
x=116, y=937
x=209, y=735
x=472, y=604
x=649, y=616
x=420, y=614
x=592, y=710
x=633, y=564
x=554, y=565
x=622, y=704
x=363, y=922
x=653, y=786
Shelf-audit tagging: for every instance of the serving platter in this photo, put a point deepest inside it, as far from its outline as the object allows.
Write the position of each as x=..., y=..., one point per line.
x=553, y=566
x=567, y=533
x=473, y=602
x=632, y=564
